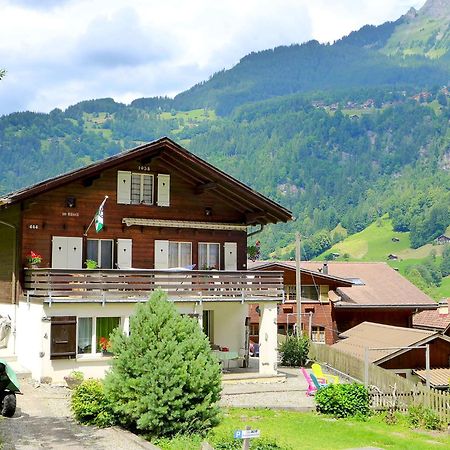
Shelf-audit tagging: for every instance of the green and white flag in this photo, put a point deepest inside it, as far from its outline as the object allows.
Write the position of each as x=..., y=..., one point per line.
x=99, y=216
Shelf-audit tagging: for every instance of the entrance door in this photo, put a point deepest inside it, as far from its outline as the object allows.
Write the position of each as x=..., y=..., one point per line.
x=67, y=252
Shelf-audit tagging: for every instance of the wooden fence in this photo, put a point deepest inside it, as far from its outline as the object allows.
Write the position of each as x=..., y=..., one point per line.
x=382, y=383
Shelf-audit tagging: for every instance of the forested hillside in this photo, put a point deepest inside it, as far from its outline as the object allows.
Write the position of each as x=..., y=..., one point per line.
x=341, y=134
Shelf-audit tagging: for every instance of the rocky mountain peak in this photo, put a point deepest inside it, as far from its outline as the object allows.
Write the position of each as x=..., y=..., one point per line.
x=436, y=9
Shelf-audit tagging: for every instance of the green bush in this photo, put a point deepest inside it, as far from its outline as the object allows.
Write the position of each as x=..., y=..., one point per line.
x=294, y=351
x=343, y=400
x=164, y=379
x=421, y=417
x=90, y=405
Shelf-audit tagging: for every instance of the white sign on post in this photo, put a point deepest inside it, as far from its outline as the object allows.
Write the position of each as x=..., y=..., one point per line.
x=247, y=434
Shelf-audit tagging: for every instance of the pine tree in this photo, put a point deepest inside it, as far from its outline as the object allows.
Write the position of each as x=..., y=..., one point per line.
x=164, y=379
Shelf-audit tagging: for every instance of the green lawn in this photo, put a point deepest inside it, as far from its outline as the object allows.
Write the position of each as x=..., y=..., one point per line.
x=196, y=115
x=374, y=243
x=298, y=430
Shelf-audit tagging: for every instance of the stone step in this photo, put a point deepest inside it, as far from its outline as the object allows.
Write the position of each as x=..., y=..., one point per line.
x=21, y=372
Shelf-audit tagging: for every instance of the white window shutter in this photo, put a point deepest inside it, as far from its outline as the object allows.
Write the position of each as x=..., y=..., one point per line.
x=67, y=252
x=161, y=254
x=124, y=253
x=123, y=187
x=59, y=252
x=230, y=255
x=163, y=190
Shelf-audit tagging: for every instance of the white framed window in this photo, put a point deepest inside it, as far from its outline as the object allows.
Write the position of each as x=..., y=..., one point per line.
x=180, y=254
x=101, y=251
x=318, y=334
x=141, y=189
x=208, y=255
x=90, y=331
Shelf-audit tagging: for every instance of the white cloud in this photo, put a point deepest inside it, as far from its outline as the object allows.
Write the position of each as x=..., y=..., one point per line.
x=61, y=52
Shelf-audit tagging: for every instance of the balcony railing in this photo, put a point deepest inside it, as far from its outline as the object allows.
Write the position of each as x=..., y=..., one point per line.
x=63, y=285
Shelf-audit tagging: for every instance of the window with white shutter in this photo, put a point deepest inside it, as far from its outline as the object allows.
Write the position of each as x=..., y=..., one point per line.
x=123, y=187
x=163, y=190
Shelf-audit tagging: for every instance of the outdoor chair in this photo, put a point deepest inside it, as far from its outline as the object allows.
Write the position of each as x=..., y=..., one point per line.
x=318, y=372
x=317, y=382
x=312, y=386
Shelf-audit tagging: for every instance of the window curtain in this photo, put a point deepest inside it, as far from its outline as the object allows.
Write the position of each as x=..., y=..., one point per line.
x=105, y=326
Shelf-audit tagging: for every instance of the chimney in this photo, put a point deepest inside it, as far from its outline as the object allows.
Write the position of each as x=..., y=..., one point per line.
x=325, y=269
x=443, y=307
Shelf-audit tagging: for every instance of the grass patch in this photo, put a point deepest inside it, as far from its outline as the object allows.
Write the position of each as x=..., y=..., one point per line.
x=312, y=431
x=374, y=243
x=195, y=115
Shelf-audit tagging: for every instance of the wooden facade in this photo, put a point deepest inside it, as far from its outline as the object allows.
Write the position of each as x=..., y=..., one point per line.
x=318, y=316
x=183, y=201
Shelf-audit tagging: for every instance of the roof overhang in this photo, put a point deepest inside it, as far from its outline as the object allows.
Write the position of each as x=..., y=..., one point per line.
x=345, y=305
x=255, y=207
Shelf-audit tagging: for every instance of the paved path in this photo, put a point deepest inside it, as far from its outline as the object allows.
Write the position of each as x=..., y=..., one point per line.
x=288, y=395
x=43, y=420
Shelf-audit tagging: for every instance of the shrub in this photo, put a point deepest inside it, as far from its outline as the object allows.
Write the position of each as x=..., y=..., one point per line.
x=90, y=405
x=164, y=379
x=343, y=400
x=421, y=417
x=294, y=351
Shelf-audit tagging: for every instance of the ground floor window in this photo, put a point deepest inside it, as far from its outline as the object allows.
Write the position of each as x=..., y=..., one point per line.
x=318, y=334
x=208, y=325
x=208, y=256
x=93, y=331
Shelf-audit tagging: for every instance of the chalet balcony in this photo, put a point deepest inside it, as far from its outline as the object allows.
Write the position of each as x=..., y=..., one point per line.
x=114, y=285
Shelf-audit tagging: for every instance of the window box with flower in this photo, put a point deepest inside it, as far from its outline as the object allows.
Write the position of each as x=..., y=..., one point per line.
x=33, y=259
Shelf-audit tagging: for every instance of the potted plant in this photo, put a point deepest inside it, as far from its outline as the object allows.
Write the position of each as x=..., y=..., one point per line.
x=91, y=264
x=74, y=379
x=33, y=259
x=104, y=345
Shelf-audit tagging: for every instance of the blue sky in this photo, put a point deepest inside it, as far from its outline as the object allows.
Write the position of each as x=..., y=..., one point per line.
x=59, y=52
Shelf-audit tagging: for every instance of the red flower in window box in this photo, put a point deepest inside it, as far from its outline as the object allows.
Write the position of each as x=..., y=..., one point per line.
x=33, y=258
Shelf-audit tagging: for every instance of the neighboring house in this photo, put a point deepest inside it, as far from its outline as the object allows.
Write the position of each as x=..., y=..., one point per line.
x=167, y=211
x=434, y=320
x=442, y=239
x=381, y=340
x=317, y=297
x=374, y=292
x=439, y=378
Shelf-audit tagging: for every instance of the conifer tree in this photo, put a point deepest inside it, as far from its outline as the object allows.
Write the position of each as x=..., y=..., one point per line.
x=164, y=379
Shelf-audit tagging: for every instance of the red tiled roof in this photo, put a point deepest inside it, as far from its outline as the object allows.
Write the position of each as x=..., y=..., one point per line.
x=431, y=319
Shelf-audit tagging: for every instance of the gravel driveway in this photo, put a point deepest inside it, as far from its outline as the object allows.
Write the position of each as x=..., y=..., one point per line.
x=43, y=420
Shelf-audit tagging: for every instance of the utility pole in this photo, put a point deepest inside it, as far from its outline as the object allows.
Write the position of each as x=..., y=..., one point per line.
x=298, y=283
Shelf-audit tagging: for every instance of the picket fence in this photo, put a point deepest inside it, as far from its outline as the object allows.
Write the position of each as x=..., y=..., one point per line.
x=386, y=388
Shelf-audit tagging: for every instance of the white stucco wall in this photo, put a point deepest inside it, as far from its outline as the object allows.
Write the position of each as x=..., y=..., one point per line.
x=33, y=343
x=30, y=337
x=268, y=339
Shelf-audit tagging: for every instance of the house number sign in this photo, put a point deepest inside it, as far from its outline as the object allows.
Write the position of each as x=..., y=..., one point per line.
x=33, y=226
x=145, y=168
x=70, y=214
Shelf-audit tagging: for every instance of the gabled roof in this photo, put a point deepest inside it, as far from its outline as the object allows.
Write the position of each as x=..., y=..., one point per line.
x=277, y=265
x=256, y=208
x=432, y=320
x=377, y=336
x=375, y=285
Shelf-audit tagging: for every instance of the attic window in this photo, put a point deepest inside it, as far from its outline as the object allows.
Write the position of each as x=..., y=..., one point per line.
x=356, y=281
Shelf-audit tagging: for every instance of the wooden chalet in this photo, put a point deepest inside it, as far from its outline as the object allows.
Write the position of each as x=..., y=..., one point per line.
x=171, y=221
x=337, y=296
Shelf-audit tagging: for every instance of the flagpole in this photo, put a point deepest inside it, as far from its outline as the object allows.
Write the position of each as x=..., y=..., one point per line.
x=93, y=219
